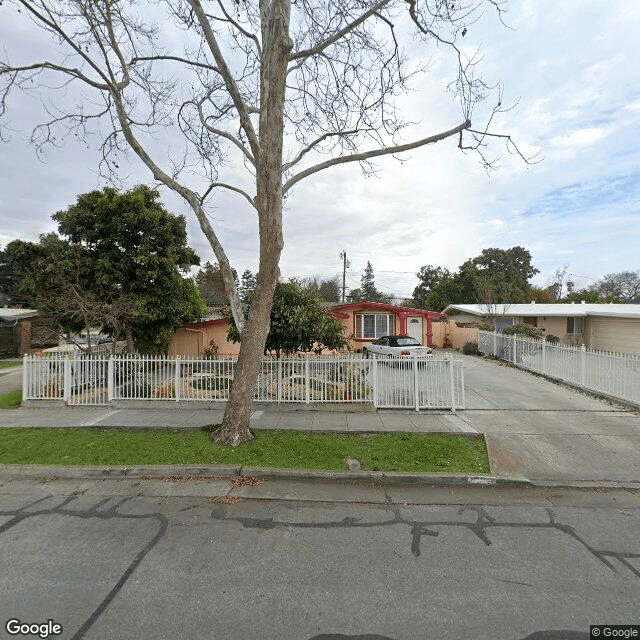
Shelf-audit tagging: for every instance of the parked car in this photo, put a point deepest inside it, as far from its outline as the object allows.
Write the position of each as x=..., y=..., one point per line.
x=396, y=346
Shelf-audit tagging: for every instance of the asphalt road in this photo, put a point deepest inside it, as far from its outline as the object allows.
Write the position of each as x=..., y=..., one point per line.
x=137, y=558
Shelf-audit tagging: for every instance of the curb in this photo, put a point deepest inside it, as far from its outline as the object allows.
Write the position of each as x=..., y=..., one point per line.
x=215, y=472
x=376, y=478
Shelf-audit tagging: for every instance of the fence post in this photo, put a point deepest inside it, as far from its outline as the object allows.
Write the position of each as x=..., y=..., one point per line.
x=514, y=348
x=25, y=377
x=66, y=378
x=374, y=380
x=307, y=394
x=110, y=379
x=416, y=389
x=451, y=383
x=583, y=366
x=176, y=379
x=544, y=357
x=279, y=376
x=495, y=343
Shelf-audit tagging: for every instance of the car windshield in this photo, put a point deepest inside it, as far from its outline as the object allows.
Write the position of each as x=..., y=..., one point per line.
x=408, y=342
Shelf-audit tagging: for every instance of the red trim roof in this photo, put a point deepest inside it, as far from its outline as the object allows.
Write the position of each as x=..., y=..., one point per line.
x=206, y=323
x=379, y=306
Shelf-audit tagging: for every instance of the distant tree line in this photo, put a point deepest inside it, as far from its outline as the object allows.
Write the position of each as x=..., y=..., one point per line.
x=503, y=276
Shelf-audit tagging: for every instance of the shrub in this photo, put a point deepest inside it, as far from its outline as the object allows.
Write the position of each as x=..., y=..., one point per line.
x=211, y=384
x=553, y=339
x=470, y=349
x=523, y=329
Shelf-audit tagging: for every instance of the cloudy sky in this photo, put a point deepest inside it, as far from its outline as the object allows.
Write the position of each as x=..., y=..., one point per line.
x=572, y=70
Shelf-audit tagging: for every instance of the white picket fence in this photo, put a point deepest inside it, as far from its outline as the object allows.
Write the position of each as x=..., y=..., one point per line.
x=612, y=374
x=419, y=383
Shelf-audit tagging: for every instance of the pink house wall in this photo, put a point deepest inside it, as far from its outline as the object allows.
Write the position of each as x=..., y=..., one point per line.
x=449, y=335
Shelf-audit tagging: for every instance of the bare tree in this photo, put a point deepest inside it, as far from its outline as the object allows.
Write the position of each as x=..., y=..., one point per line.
x=560, y=284
x=623, y=286
x=292, y=88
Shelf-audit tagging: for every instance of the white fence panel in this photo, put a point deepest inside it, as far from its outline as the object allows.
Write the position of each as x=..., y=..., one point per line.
x=612, y=374
x=418, y=383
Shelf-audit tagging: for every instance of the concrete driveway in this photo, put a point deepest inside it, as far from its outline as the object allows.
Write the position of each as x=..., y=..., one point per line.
x=548, y=432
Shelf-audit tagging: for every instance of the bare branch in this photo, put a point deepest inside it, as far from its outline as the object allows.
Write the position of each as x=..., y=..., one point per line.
x=226, y=74
x=186, y=61
x=225, y=134
x=41, y=66
x=239, y=27
x=194, y=201
x=314, y=144
x=340, y=34
x=375, y=153
x=230, y=187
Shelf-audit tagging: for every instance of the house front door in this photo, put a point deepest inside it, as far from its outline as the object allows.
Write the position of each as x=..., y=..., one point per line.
x=414, y=328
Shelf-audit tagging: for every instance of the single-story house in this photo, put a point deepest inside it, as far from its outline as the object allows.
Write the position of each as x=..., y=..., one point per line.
x=363, y=323
x=610, y=327
x=195, y=338
x=15, y=331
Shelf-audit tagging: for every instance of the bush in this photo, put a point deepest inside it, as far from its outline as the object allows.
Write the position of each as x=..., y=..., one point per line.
x=470, y=349
x=523, y=329
x=211, y=384
x=553, y=339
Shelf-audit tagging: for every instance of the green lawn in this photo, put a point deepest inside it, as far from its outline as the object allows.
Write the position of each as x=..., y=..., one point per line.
x=271, y=448
x=8, y=364
x=10, y=400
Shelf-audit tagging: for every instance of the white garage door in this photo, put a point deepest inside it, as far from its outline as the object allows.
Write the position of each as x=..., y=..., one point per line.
x=619, y=336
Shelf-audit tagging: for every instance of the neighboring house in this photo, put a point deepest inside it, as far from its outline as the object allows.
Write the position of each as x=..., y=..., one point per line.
x=363, y=323
x=15, y=331
x=610, y=327
x=195, y=338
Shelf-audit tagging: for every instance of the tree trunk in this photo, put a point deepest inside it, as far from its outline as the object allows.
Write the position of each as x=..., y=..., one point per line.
x=129, y=336
x=276, y=47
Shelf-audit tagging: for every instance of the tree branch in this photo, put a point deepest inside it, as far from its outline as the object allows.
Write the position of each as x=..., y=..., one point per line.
x=75, y=73
x=338, y=35
x=232, y=87
x=313, y=144
x=137, y=59
x=225, y=134
x=196, y=205
x=375, y=153
x=230, y=187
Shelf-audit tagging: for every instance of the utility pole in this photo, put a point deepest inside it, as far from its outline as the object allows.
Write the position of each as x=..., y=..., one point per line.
x=345, y=264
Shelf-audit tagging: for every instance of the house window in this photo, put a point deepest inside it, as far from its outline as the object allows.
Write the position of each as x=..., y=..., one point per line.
x=370, y=326
x=575, y=326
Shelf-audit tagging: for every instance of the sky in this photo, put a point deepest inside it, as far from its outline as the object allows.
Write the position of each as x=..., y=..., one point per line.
x=571, y=69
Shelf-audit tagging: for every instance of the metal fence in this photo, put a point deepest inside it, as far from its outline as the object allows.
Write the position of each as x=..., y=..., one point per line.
x=417, y=383
x=612, y=374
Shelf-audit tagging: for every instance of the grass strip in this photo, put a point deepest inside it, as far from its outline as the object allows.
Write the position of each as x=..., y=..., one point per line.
x=10, y=399
x=271, y=448
x=10, y=364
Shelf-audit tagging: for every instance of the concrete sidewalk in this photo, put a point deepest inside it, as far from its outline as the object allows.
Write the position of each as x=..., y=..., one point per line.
x=535, y=430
